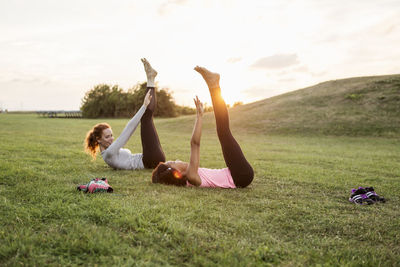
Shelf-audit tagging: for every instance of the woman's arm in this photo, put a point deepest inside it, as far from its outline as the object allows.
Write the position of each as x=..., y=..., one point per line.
x=130, y=127
x=191, y=171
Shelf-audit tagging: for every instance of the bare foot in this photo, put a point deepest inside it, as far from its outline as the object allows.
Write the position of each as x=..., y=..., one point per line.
x=150, y=72
x=211, y=78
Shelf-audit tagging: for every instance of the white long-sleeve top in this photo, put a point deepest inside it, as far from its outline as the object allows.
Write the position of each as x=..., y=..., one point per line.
x=121, y=158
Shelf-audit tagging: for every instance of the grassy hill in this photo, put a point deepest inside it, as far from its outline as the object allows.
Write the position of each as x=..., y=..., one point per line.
x=364, y=106
x=355, y=106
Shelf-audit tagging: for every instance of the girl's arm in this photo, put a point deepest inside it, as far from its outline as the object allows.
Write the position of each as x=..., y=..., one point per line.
x=130, y=127
x=191, y=171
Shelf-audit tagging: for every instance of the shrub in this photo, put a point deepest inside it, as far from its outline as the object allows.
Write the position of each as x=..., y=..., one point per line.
x=106, y=101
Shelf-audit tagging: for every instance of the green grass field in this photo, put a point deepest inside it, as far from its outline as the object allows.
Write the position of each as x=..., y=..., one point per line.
x=295, y=213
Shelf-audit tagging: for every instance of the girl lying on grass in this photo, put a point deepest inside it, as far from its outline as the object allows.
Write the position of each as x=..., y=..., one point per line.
x=101, y=136
x=238, y=173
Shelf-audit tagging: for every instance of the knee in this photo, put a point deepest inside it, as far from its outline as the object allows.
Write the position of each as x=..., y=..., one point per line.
x=244, y=179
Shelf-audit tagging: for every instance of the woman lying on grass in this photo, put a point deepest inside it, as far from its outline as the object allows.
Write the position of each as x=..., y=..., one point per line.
x=101, y=136
x=239, y=172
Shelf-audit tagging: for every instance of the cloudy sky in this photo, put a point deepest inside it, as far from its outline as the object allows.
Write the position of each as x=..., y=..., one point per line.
x=52, y=52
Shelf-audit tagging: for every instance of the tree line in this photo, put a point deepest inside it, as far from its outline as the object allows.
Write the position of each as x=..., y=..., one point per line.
x=104, y=100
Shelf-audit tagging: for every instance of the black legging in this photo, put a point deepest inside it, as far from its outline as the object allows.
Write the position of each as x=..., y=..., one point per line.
x=152, y=150
x=241, y=170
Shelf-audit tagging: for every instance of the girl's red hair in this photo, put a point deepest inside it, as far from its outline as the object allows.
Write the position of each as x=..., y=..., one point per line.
x=91, y=143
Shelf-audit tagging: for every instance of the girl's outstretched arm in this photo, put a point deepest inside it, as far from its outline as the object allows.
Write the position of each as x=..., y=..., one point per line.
x=130, y=127
x=191, y=172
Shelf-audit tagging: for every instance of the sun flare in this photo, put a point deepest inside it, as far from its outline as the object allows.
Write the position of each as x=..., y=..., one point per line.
x=232, y=87
x=232, y=96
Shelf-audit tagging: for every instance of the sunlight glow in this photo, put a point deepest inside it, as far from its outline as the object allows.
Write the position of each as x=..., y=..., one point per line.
x=53, y=52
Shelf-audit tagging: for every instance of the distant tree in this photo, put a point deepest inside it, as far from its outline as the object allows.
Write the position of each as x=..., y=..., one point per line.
x=136, y=96
x=183, y=110
x=238, y=103
x=94, y=103
x=166, y=106
x=106, y=101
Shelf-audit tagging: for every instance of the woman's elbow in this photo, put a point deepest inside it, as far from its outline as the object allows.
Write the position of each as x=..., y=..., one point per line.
x=193, y=179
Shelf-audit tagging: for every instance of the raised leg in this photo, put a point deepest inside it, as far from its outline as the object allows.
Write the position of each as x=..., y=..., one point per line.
x=240, y=168
x=152, y=150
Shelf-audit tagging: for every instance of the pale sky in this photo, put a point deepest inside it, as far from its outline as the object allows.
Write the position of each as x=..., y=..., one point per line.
x=53, y=51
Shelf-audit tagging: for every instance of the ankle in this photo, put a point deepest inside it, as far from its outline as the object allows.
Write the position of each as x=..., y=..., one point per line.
x=215, y=90
x=150, y=83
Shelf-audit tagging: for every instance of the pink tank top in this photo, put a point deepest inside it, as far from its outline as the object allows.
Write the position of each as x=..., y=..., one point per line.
x=215, y=178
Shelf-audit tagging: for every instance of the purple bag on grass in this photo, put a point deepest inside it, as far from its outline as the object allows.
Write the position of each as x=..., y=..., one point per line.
x=365, y=196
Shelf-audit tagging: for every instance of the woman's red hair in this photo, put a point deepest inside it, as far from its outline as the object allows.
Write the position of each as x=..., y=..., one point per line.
x=92, y=137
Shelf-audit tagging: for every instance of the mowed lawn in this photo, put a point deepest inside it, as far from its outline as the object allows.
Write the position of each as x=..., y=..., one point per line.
x=295, y=213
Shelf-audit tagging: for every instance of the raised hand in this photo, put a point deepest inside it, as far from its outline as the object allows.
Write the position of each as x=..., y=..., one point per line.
x=147, y=99
x=199, y=106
